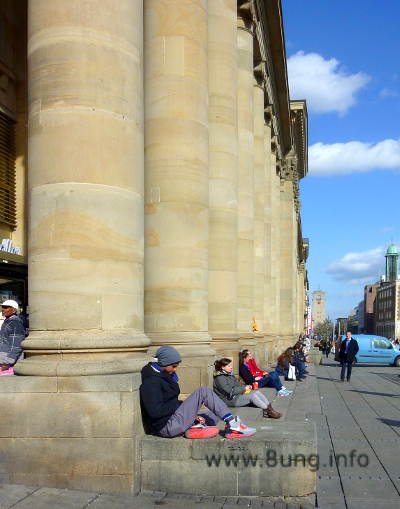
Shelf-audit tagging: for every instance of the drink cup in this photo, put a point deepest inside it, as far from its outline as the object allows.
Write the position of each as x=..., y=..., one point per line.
x=255, y=385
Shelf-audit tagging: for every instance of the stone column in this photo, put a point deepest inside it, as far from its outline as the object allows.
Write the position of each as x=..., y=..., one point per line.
x=301, y=298
x=274, y=311
x=223, y=178
x=259, y=220
x=246, y=183
x=85, y=146
x=176, y=182
x=269, y=296
x=288, y=283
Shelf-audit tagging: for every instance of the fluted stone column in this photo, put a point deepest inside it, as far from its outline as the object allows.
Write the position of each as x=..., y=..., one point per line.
x=176, y=182
x=274, y=312
x=259, y=219
x=223, y=168
x=246, y=183
x=301, y=298
x=85, y=146
x=269, y=297
x=288, y=281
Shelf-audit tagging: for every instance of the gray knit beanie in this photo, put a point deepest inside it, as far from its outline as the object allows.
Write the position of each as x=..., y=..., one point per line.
x=167, y=355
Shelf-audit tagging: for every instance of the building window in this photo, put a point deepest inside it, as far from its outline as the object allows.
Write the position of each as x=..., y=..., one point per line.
x=7, y=171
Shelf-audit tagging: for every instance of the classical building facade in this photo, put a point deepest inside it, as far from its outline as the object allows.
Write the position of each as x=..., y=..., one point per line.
x=151, y=160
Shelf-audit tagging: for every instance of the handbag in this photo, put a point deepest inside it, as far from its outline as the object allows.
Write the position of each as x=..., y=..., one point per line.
x=291, y=373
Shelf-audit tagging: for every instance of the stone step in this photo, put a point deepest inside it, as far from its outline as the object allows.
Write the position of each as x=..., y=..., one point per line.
x=277, y=461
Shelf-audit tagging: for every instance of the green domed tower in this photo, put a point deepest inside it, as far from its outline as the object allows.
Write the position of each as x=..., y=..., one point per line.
x=392, y=263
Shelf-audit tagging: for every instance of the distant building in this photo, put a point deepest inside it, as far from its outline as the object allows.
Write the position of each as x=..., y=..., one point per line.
x=341, y=326
x=352, y=321
x=360, y=317
x=318, y=307
x=387, y=301
x=392, y=263
x=369, y=307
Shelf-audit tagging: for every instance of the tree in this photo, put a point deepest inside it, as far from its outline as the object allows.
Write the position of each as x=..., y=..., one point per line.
x=324, y=328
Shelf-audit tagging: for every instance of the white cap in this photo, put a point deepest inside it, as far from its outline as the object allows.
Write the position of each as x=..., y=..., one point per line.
x=11, y=303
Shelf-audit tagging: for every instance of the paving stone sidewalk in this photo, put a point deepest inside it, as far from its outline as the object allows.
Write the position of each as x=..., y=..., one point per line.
x=359, y=423
x=362, y=416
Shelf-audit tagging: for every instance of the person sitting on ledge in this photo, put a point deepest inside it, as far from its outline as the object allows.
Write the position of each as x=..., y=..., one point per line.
x=299, y=361
x=168, y=417
x=284, y=361
x=267, y=380
x=236, y=394
x=12, y=333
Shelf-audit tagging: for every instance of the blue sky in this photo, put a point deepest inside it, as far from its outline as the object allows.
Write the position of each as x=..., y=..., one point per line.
x=343, y=58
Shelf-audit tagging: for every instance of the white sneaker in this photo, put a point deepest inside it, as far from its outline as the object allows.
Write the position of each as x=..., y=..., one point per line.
x=235, y=428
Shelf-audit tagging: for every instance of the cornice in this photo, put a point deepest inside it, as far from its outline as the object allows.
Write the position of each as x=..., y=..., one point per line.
x=299, y=119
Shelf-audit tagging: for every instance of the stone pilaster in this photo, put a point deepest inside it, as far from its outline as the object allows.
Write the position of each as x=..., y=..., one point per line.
x=223, y=176
x=259, y=219
x=269, y=297
x=288, y=267
x=246, y=181
x=274, y=309
x=85, y=149
x=176, y=182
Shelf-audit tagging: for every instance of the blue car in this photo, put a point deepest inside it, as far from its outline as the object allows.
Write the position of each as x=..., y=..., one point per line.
x=375, y=350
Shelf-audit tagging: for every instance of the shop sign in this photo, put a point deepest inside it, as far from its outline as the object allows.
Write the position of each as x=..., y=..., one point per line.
x=7, y=246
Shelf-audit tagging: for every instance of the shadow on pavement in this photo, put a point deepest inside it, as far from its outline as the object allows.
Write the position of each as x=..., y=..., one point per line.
x=376, y=393
x=390, y=422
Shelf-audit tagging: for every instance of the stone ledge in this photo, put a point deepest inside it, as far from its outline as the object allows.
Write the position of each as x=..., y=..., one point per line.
x=176, y=465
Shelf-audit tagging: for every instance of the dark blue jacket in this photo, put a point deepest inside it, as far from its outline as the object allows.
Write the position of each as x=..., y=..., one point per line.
x=351, y=351
x=246, y=375
x=159, y=398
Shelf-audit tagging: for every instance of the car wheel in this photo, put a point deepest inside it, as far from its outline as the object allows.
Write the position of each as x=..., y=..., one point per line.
x=397, y=362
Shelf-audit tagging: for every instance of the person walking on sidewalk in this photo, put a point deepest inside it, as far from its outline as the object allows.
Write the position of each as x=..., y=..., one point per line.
x=166, y=416
x=347, y=353
x=236, y=394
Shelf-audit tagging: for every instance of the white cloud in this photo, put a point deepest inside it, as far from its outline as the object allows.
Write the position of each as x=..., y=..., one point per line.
x=353, y=156
x=388, y=92
x=359, y=268
x=324, y=85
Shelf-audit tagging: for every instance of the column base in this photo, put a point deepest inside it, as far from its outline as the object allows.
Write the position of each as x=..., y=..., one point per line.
x=247, y=341
x=197, y=354
x=271, y=342
x=82, y=353
x=226, y=344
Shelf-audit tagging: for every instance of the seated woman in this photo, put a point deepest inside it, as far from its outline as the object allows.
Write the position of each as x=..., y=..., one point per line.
x=284, y=361
x=236, y=394
x=268, y=380
x=299, y=361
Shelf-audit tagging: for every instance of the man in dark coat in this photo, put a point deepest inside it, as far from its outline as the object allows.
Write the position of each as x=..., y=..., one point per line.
x=347, y=352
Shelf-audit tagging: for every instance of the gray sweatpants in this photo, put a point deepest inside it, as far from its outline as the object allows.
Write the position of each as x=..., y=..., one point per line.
x=257, y=398
x=184, y=416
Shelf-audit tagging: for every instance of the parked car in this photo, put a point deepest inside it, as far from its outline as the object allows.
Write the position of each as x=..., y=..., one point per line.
x=373, y=350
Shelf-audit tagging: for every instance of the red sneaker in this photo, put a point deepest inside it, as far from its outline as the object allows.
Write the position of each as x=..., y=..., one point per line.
x=201, y=431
